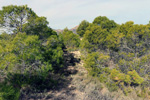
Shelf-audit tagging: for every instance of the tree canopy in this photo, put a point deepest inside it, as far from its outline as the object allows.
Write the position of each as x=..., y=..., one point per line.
x=30, y=54
x=24, y=19
x=70, y=39
x=13, y=17
x=82, y=27
x=104, y=22
x=116, y=55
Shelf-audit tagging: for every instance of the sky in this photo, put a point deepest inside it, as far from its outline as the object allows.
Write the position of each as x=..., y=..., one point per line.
x=69, y=13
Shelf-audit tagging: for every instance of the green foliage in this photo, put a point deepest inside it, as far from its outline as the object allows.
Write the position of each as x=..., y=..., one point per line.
x=136, y=38
x=131, y=77
x=70, y=39
x=113, y=40
x=96, y=59
x=120, y=77
x=22, y=51
x=53, y=52
x=112, y=86
x=104, y=22
x=95, y=62
x=82, y=28
x=8, y=92
x=14, y=16
x=91, y=60
x=95, y=38
x=128, y=48
x=127, y=90
x=23, y=19
x=104, y=76
x=38, y=26
x=116, y=75
x=118, y=55
x=24, y=60
x=136, y=79
x=27, y=57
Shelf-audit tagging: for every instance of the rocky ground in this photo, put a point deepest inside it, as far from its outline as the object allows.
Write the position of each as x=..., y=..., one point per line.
x=73, y=84
x=77, y=84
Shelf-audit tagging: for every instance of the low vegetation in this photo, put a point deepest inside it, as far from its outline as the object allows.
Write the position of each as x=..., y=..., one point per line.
x=115, y=55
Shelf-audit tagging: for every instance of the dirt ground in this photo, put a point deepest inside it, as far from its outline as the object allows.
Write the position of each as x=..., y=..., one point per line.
x=73, y=84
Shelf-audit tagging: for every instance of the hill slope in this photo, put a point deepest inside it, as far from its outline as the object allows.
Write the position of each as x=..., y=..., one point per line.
x=72, y=29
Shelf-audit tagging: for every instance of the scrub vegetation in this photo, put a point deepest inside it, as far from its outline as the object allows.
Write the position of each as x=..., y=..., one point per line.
x=103, y=59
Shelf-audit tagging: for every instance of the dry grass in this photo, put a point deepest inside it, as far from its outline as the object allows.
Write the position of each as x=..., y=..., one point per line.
x=76, y=84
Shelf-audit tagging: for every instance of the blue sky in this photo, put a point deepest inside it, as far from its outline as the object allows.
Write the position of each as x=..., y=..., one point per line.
x=69, y=13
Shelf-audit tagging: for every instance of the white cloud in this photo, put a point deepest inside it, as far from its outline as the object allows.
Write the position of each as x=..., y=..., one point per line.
x=62, y=13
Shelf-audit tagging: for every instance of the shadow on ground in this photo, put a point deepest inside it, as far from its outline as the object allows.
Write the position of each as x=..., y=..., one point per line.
x=57, y=86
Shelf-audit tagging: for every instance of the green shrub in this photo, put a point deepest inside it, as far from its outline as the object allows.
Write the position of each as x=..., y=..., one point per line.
x=119, y=77
x=127, y=90
x=82, y=28
x=103, y=77
x=135, y=78
x=112, y=86
x=8, y=92
x=70, y=39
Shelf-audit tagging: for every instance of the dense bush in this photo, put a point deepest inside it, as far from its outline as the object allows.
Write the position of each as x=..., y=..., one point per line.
x=136, y=79
x=25, y=57
x=82, y=28
x=123, y=49
x=8, y=92
x=118, y=55
x=22, y=50
x=53, y=52
x=70, y=39
x=30, y=54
